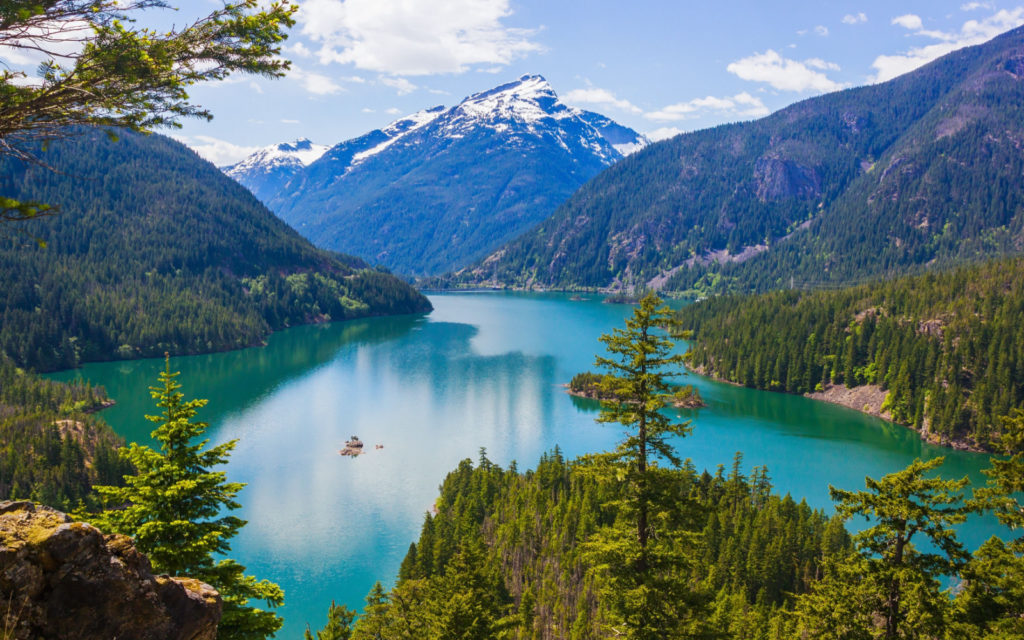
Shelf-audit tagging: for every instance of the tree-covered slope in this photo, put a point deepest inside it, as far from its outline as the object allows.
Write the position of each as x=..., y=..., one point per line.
x=52, y=450
x=155, y=250
x=507, y=550
x=925, y=168
x=947, y=347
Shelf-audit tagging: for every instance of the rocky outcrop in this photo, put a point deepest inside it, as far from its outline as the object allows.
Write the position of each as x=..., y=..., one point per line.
x=61, y=579
x=353, y=447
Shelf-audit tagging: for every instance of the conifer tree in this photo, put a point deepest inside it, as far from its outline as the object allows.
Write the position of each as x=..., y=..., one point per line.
x=177, y=509
x=991, y=602
x=889, y=588
x=339, y=624
x=643, y=556
x=1006, y=479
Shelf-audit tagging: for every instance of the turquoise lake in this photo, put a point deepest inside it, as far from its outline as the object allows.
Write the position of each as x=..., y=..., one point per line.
x=482, y=370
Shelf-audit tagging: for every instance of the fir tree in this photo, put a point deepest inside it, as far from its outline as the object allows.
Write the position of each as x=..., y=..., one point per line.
x=889, y=588
x=339, y=624
x=178, y=511
x=642, y=554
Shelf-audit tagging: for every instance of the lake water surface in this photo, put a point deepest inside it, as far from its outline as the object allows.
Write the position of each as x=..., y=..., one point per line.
x=482, y=370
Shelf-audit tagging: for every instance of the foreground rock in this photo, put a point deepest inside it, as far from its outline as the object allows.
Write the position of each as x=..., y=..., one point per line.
x=61, y=579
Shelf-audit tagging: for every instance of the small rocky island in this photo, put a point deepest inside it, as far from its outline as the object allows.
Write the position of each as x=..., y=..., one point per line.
x=687, y=397
x=589, y=385
x=353, y=447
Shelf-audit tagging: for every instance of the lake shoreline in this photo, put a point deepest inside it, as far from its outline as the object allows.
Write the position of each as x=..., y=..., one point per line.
x=866, y=399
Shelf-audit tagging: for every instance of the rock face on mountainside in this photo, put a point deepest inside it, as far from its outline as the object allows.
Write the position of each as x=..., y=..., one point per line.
x=438, y=188
x=921, y=171
x=61, y=580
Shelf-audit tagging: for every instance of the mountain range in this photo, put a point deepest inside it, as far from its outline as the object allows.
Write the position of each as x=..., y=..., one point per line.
x=920, y=171
x=436, y=189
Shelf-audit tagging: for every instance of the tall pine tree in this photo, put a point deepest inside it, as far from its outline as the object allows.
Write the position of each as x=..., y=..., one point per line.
x=644, y=554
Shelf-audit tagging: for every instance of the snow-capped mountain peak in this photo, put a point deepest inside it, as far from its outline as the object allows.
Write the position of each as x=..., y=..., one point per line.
x=430, y=191
x=529, y=99
x=302, y=152
x=268, y=169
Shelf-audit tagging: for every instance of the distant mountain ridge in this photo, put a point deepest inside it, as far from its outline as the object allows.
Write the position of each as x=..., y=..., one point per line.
x=267, y=170
x=919, y=171
x=436, y=189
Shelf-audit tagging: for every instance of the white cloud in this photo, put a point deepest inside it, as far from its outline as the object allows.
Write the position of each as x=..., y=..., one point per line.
x=368, y=110
x=401, y=85
x=784, y=74
x=219, y=152
x=394, y=111
x=909, y=21
x=971, y=6
x=824, y=65
x=298, y=49
x=662, y=133
x=289, y=121
x=855, y=18
x=255, y=86
x=971, y=33
x=315, y=83
x=600, y=97
x=821, y=30
x=408, y=37
x=742, y=105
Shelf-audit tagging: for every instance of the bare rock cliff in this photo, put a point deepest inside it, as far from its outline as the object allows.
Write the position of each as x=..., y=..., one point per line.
x=64, y=579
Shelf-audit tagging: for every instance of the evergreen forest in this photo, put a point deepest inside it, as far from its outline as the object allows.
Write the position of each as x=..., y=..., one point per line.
x=152, y=250
x=948, y=347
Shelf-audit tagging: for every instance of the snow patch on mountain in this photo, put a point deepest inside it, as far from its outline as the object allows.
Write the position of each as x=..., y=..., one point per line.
x=397, y=129
x=300, y=152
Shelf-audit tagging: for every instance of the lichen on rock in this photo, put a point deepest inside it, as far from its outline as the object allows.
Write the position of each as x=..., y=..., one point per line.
x=65, y=579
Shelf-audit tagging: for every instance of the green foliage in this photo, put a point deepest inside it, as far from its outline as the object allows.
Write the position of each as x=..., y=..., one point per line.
x=589, y=384
x=339, y=624
x=1006, y=479
x=518, y=542
x=890, y=588
x=641, y=556
x=123, y=76
x=177, y=509
x=52, y=449
x=156, y=251
x=920, y=171
x=119, y=76
x=947, y=347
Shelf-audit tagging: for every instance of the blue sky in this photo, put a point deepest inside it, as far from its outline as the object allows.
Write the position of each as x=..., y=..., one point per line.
x=658, y=66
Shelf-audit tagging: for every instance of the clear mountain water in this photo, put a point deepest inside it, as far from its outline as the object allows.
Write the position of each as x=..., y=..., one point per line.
x=482, y=370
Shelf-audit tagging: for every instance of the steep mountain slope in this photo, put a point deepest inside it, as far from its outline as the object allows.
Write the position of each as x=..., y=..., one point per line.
x=920, y=170
x=434, y=190
x=267, y=170
x=156, y=250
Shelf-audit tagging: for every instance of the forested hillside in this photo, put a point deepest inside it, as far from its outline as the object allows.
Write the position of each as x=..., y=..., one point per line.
x=883, y=179
x=154, y=250
x=948, y=347
x=506, y=550
x=53, y=450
